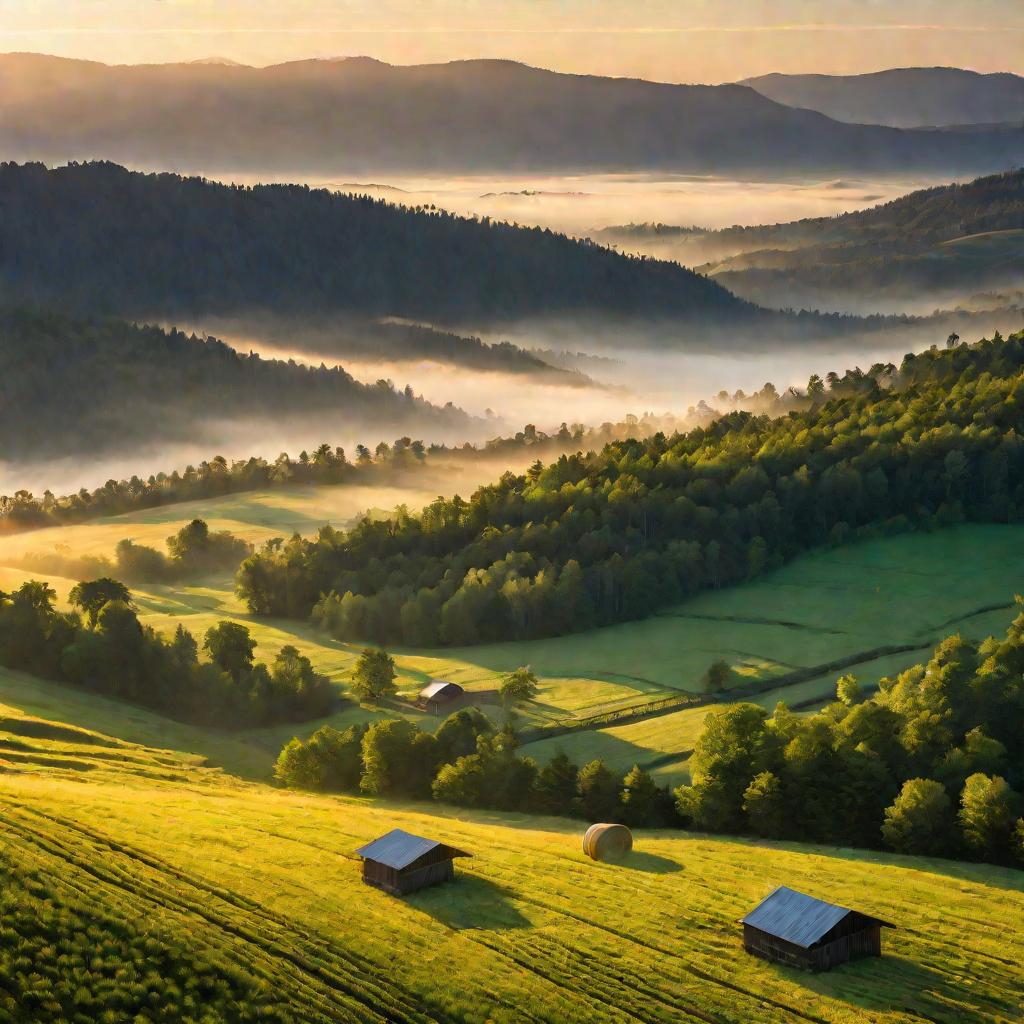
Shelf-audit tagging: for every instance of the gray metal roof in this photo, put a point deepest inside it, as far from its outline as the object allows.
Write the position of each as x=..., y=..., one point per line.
x=398, y=849
x=438, y=687
x=796, y=917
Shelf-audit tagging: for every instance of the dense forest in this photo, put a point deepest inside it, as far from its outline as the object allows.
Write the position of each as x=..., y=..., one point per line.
x=102, y=647
x=71, y=385
x=932, y=764
x=604, y=537
x=99, y=238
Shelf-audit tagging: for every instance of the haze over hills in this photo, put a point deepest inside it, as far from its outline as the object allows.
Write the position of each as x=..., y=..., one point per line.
x=903, y=97
x=84, y=386
x=967, y=236
x=360, y=115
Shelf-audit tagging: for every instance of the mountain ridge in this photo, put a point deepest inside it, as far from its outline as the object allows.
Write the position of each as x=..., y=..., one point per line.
x=474, y=116
x=908, y=98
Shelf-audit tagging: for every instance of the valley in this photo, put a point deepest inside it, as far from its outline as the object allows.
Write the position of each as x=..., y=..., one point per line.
x=827, y=607
x=430, y=437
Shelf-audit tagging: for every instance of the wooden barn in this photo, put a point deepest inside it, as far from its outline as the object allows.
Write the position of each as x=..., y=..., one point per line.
x=802, y=931
x=440, y=692
x=400, y=863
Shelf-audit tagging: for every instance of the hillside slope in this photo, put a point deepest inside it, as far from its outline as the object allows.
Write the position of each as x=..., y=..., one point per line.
x=73, y=386
x=196, y=890
x=360, y=115
x=957, y=236
x=902, y=97
x=101, y=238
x=926, y=216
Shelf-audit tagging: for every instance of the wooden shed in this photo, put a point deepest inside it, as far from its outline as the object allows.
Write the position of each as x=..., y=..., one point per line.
x=440, y=692
x=400, y=863
x=802, y=931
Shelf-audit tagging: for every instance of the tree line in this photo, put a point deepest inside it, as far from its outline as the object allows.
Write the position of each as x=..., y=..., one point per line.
x=931, y=764
x=597, y=538
x=469, y=762
x=323, y=465
x=102, y=647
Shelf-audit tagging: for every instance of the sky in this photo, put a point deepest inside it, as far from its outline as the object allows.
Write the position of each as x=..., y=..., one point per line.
x=665, y=40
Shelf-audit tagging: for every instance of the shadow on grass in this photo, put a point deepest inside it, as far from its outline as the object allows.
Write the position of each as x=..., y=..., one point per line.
x=470, y=902
x=650, y=863
x=894, y=983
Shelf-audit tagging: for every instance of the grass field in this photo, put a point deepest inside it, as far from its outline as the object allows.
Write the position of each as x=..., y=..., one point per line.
x=263, y=885
x=826, y=606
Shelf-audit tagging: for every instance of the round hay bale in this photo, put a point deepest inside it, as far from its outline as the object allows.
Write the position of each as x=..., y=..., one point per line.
x=607, y=842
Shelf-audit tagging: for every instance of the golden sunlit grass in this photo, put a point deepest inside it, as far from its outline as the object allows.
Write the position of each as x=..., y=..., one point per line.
x=531, y=930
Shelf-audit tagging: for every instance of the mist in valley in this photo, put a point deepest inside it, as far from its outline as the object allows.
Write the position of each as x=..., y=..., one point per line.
x=545, y=371
x=634, y=369
x=583, y=204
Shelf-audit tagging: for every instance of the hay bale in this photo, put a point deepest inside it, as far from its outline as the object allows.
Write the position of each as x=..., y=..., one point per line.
x=607, y=842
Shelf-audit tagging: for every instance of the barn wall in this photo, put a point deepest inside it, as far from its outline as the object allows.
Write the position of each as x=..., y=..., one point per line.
x=865, y=942
x=771, y=948
x=420, y=877
x=381, y=876
x=854, y=937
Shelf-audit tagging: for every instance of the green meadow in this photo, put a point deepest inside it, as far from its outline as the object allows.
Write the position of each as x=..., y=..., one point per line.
x=830, y=605
x=170, y=886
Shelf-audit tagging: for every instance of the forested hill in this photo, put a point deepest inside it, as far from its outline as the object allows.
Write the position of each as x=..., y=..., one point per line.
x=356, y=116
x=601, y=538
x=70, y=386
x=97, y=237
x=921, y=218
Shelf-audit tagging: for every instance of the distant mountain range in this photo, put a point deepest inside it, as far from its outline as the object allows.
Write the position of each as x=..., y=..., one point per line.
x=903, y=97
x=359, y=115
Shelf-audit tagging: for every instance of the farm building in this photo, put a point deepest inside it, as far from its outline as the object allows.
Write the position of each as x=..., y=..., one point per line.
x=439, y=692
x=802, y=931
x=400, y=863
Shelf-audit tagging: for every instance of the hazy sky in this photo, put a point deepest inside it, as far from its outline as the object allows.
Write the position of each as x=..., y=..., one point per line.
x=669, y=40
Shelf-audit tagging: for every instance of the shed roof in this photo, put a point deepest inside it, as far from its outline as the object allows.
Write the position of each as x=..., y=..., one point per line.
x=798, y=918
x=440, y=688
x=398, y=849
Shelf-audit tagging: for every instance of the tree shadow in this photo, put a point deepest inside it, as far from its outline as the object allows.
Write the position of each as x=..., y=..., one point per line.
x=470, y=901
x=895, y=983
